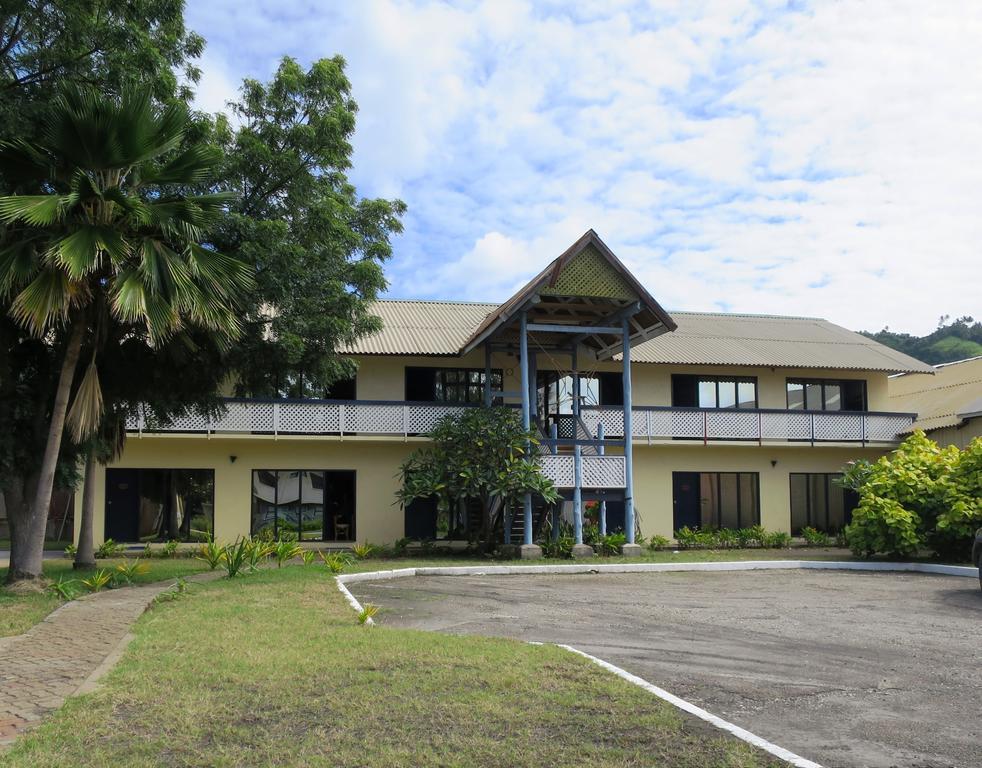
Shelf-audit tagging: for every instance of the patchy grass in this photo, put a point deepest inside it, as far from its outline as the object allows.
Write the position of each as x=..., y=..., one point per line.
x=273, y=669
x=20, y=611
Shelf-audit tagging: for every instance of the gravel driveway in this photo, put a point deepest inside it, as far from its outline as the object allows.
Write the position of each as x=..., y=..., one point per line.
x=847, y=669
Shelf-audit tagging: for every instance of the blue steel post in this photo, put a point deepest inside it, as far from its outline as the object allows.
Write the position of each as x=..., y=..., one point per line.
x=526, y=413
x=628, y=438
x=554, y=434
x=603, y=503
x=577, y=496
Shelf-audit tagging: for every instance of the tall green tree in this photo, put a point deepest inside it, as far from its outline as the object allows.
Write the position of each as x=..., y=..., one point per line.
x=317, y=247
x=46, y=45
x=108, y=242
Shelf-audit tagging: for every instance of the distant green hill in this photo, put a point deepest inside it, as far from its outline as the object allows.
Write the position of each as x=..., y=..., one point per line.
x=955, y=340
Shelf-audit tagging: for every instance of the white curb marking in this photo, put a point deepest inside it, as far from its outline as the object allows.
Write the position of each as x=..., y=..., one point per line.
x=734, y=565
x=692, y=709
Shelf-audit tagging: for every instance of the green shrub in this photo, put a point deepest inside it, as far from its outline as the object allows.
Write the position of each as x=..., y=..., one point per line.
x=71, y=550
x=307, y=556
x=401, y=547
x=918, y=495
x=658, y=542
x=363, y=551
x=336, y=562
x=63, y=588
x=170, y=548
x=367, y=611
x=211, y=553
x=126, y=572
x=284, y=550
x=108, y=548
x=610, y=544
x=257, y=550
x=98, y=580
x=560, y=548
x=815, y=537
x=881, y=525
x=236, y=557
x=776, y=540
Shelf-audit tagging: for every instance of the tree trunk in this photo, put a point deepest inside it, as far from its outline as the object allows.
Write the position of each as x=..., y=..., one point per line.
x=85, y=555
x=27, y=544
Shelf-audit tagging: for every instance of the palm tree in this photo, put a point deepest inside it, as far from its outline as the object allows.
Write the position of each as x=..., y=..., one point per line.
x=111, y=236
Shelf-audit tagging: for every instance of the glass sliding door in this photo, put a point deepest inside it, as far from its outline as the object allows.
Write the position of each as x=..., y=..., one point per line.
x=309, y=504
x=818, y=501
x=160, y=504
x=716, y=499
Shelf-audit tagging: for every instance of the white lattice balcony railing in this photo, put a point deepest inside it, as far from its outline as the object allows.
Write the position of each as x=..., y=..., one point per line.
x=708, y=424
x=595, y=471
x=308, y=417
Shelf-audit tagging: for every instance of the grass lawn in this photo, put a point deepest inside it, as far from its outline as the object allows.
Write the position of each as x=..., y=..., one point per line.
x=19, y=612
x=273, y=669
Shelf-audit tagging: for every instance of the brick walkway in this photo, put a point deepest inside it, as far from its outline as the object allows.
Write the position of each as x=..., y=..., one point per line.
x=49, y=662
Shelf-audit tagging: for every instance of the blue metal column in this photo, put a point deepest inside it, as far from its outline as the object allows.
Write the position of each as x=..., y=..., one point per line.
x=526, y=414
x=628, y=437
x=577, y=495
x=577, y=456
x=603, y=502
x=556, y=517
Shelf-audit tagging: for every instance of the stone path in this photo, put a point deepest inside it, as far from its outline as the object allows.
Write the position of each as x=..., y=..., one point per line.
x=53, y=659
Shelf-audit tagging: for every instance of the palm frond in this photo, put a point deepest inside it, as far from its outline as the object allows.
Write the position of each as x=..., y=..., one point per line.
x=46, y=300
x=81, y=252
x=192, y=166
x=18, y=263
x=36, y=210
x=87, y=409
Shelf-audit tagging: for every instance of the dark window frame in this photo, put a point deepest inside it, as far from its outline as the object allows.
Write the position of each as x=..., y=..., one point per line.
x=352, y=536
x=140, y=479
x=755, y=516
x=737, y=380
x=823, y=383
x=829, y=484
x=440, y=383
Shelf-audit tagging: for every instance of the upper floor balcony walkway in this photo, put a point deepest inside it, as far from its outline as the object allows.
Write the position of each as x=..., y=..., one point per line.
x=651, y=424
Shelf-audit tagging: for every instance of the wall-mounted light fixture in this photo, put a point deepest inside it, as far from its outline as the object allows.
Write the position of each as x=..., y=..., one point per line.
x=773, y=462
x=232, y=459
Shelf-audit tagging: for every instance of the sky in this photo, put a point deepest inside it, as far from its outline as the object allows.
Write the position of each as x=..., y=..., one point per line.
x=819, y=159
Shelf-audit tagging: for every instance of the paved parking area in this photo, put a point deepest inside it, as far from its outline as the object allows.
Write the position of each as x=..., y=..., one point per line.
x=847, y=669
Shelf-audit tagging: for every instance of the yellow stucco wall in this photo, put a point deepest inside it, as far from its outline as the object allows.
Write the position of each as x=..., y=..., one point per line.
x=383, y=378
x=654, y=465
x=376, y=460
x=380, y=519
x=959, y=436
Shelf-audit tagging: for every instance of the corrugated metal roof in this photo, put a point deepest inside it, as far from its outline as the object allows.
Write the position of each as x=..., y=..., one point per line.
x=942, y=400
x=442, y=327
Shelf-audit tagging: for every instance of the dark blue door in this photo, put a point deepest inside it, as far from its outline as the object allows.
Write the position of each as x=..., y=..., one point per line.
x=123, y=504
x=685, y=498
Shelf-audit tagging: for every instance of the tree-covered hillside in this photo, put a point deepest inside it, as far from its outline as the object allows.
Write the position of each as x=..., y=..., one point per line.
x=952, y=340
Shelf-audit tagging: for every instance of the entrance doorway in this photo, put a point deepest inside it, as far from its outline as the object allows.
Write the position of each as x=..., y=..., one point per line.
x=160, y=504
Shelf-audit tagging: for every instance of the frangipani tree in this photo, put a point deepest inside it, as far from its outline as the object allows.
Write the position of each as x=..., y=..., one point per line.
x=478, y=453
x=104, y=234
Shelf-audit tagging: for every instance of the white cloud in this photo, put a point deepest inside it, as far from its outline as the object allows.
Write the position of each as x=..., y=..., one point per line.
x=825, y=160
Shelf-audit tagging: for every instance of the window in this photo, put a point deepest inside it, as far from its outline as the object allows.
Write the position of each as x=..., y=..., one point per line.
x=716, y=499
x=313, y=505
x=818, y=501
x=342, y=389
x=713, y=391
x=449, y=385
x=160, y=504
x=827, y=395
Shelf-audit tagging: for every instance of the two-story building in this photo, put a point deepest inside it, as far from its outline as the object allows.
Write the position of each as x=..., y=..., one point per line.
x=732, y=420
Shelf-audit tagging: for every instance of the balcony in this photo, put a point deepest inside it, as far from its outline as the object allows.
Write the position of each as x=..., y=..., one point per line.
x=657, y=423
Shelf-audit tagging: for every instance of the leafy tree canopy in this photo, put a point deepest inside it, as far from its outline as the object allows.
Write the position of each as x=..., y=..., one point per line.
x=479, y=453
x=920, y=495
x=952, y=340
x=317, y=247
x=47, y=44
